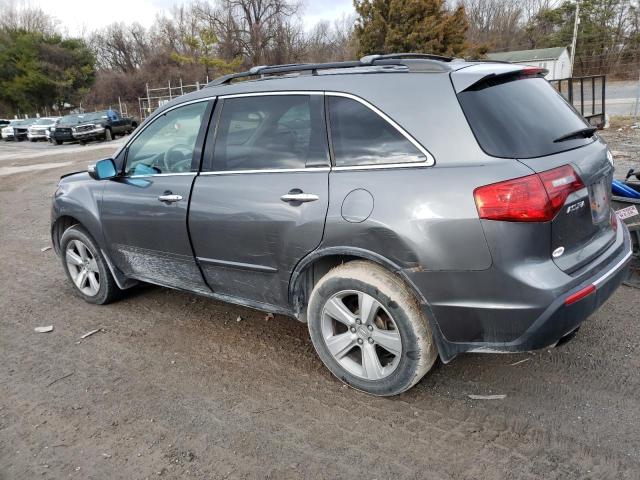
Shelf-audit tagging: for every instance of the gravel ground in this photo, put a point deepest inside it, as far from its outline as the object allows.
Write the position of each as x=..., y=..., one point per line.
x=624, y=142
x=173, y=386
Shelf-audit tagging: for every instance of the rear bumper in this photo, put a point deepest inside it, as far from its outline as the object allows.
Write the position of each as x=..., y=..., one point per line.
x=523, y=312
x=560, y=319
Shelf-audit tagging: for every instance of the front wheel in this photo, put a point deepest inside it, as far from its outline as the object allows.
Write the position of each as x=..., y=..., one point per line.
x=369, y=330
x=86, y=268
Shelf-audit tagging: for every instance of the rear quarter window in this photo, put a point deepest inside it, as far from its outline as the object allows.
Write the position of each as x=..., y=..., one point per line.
x=362, y=137
x=520, y=117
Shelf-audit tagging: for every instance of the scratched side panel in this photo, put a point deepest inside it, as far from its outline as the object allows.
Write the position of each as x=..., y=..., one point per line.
x=240, y=219
x=179, y=271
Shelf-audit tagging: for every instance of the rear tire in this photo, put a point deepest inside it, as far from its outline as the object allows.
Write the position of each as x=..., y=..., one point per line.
x=86, y=268
x=369, y=330
x=58, y=142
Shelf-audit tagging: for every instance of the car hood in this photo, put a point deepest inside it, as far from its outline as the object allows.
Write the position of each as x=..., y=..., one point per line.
x=81, y=176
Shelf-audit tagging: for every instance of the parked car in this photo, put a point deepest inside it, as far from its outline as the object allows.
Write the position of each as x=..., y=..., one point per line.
x=104, y=125
x=40, y=129
x=3, y=124
x=405, y=207
x=17, y=129
x=61, y=131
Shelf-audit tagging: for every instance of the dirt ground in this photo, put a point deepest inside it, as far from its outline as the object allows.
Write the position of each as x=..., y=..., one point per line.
x=173, y=386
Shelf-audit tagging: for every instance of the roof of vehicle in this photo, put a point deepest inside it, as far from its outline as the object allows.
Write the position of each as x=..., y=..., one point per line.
x=23, y=121
x=336, y=76
x=405, y=89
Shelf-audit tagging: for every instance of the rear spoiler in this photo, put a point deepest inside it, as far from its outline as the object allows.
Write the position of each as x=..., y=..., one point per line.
x=467, y=77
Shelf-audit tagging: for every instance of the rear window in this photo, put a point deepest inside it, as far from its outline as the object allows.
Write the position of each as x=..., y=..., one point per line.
x=517, y=117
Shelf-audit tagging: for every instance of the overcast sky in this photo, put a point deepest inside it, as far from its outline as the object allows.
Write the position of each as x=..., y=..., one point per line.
x=80, y=16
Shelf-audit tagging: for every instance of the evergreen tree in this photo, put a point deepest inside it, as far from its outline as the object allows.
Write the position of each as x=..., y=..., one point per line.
x=421, y=26
x=42, y=71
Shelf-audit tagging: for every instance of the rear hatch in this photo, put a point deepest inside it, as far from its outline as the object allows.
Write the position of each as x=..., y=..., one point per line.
x=517, y=114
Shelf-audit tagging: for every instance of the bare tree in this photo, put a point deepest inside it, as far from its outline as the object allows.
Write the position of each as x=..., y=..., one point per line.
x=494, y=22
x=121, y=47
x=331, y=42
x=258, y=22
x=20, y=15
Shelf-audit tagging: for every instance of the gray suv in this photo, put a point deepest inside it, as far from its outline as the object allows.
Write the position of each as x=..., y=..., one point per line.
x=404, y=206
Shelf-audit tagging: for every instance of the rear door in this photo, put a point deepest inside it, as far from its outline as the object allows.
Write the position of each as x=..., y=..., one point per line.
x=519, y=115
x=260, y=203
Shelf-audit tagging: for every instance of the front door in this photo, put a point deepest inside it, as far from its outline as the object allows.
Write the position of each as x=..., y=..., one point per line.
x=144, y=210
x=261, y=204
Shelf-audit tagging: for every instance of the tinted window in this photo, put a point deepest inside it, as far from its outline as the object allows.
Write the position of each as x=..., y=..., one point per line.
x=362, y=137
x=270, y=132
x=166, y=145
x=518, y=117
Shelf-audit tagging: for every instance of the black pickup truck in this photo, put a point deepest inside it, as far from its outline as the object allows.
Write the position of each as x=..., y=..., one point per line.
x=102, y=125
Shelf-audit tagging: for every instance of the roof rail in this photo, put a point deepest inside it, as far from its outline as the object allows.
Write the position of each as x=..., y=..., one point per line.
x=313, y=68
x=370, y=59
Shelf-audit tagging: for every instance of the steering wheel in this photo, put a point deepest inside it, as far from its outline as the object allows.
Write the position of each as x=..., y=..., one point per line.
x=179, y=166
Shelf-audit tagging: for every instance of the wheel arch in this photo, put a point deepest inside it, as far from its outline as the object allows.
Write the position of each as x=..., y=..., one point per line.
x=63, y=223
x=305, y=276
x=58, y=227
x=316, y=264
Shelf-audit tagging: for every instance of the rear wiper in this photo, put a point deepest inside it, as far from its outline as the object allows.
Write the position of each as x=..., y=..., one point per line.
x=582, y=133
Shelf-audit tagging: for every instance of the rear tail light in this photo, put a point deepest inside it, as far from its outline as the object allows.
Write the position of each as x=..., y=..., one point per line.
x=534, y=198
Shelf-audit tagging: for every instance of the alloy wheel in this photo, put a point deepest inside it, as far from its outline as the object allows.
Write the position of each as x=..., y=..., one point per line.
x=361, y=335
x=83, y=268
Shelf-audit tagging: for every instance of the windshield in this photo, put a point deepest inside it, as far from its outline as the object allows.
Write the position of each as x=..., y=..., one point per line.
x=70, y=119
x=45, y=121
x=90, y=117
x=516, y=117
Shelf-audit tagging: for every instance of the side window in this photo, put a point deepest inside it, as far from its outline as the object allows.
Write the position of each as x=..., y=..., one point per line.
x=166, y=146
x=362, y=137
x=270, y=132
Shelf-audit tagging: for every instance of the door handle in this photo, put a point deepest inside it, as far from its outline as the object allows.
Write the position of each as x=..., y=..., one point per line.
x=169, y=197
x=299, y=197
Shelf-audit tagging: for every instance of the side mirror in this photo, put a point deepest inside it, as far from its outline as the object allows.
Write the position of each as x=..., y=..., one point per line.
x=103, y=169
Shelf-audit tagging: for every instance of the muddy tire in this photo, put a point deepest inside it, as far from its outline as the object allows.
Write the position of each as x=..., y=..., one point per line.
x=86, y=268
x=368, y=329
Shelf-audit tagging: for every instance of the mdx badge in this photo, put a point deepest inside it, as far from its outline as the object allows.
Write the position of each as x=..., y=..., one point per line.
x=575, y=206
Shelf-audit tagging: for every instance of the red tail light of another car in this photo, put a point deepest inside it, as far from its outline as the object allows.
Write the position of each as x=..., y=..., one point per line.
x=534, y=198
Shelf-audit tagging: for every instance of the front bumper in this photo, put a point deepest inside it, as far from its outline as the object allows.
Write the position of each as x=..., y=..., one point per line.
x=479, y=313
x=37, y=136
x=61, y=136
x=96, y=133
